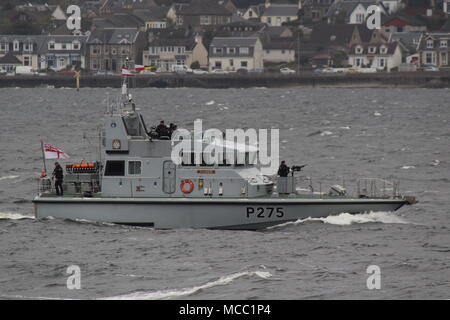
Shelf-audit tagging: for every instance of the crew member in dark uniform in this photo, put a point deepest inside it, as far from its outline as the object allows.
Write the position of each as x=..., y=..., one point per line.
x=283, y=170
x=59, y=175
x=162, y=130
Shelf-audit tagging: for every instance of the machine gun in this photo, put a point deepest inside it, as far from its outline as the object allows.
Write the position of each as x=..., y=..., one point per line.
x=297, y=168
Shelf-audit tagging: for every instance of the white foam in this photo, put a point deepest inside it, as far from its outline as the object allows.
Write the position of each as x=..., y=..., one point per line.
x=210, y=103
x=326, y=133
x=174, y=293
x=408, y=167
x=14, y=216
x=377, y=114
x=8, y=177
x=345, y=219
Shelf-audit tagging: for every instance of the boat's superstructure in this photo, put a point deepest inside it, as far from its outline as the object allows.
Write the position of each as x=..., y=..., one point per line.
x=137, y=182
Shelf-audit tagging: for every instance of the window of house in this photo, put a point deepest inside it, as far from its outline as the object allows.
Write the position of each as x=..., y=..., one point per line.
x=134, y=167
x=243, y=50
x=231, y=63
x=64, y=46
x=94, y=64
x=359, y=49
x=429, y=58
x=382, y=63
x=244, y=64
x=359, y=17
x=217, y=50
x=218, y=65
x=372, y=49
x=444, y=58
x=267, y=51
x=3, y=47
x=358, y=62
x=51, y=46
x=115, y=168
x=16, y=45
x=383, y=49
x=26, y=61
x=443, y=44
x=205, y=20
x=231, y=50
x=76, y=46
x=430, y=44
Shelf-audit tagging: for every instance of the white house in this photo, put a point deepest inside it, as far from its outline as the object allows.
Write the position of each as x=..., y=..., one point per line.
x=234, y=53
x=276, y=52
x=277, y=14
x=61, y=51
x=382, y=56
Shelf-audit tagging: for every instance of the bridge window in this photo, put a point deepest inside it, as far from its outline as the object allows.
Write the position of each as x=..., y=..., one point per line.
x=134, y=167
x=115, y=168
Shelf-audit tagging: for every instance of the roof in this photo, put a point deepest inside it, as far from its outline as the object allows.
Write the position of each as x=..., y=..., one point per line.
x=155, y=13
x=332, y=34
x=118, y=20
x=113, y=35
x=409, y=39
x=188, y=42
x=411, y=21
x=390, y=48
x=276, y=31
x=62, y=39
x=204, y=7
x=9, y=58
x=436, y=36
x=282, y=45
x=281, y=10
x=234, y=42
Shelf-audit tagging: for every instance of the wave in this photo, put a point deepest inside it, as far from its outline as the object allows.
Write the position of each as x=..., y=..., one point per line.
x=8, y=177
x=13, y=216
x=345, y=219
x=174, y=293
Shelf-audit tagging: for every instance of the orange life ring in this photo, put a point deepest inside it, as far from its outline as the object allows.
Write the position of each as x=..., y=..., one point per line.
x=183, y=186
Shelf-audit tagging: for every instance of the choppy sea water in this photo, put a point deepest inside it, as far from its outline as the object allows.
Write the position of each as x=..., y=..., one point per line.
x=388, y=133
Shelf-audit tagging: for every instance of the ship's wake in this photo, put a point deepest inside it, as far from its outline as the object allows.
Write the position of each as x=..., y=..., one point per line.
x=14, y=216
x=345, y=219
x=176, y=293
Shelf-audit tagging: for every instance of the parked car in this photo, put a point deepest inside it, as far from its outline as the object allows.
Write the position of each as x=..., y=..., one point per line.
x=430, y=68
x=328, y=70
x=354, y=70
x=25, y=70
x=287, y=71
x=242, y=71
x=219, y=71
x=199, y=71
x=180, y=68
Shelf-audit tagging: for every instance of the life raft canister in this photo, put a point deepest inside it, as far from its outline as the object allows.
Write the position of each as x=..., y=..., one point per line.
x=186, y=186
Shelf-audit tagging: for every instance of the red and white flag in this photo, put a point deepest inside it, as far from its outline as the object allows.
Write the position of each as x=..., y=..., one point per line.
x=138, y=68
x=54, y=153
x=127, y=73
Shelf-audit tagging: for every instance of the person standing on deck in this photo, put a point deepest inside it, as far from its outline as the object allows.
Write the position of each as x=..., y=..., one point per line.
x=58, y=175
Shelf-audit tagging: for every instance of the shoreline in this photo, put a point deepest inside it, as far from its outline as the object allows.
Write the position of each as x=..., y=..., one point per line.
x=225, y=81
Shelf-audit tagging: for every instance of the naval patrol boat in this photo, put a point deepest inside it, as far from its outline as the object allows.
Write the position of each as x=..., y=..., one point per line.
x=136, y=182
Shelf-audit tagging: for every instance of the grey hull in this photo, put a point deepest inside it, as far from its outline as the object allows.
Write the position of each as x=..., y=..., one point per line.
x=248, y=214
